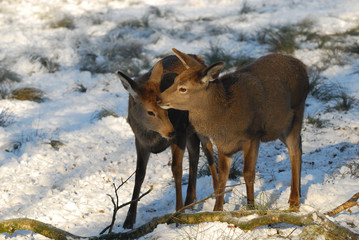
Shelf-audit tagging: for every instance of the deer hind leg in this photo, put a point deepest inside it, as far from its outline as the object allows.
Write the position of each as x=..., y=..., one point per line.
x=141, y=164
x=224, y=164
x=193, y=154
x=250, y=155
x=177, y=156
x=207, y=148
x=293, y=142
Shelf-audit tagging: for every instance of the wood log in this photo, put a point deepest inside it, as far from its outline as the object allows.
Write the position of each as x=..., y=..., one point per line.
x=233, y=218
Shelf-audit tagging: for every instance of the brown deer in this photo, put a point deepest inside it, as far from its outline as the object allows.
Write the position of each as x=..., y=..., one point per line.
x=156, y=129
x=261, y=102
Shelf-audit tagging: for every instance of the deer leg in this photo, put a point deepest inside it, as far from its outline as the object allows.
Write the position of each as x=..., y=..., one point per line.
x=207, y=148
x=294, y=144
x=295, y=156
x=177, y=156
x=193, y=154
x=250, y=155
x=141, y=164
x=224, y=164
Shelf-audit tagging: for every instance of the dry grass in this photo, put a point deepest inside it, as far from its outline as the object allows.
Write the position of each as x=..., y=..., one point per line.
x=28, y=94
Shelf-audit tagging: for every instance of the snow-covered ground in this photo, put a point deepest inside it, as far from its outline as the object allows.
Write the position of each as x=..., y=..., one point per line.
x=70, y=51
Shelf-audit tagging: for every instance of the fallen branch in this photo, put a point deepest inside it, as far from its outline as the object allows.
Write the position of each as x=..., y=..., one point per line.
x=235, y=218
x=47, y=230
x=348, y=204
x=191, y=218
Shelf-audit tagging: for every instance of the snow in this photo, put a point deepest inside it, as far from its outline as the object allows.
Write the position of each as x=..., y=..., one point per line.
x=67, y=187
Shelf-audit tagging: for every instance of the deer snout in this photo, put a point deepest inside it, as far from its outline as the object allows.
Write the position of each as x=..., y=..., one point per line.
x=161, y=104
x=169, y=135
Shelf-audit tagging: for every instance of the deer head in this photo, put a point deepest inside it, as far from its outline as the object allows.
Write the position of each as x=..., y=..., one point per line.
x=190, y=85
x=145, y=109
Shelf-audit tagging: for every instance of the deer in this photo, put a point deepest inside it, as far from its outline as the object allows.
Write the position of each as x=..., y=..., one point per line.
x=156, y=129
x=263, y=101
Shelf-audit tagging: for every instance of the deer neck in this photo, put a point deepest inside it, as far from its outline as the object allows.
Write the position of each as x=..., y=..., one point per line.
x=210, y=110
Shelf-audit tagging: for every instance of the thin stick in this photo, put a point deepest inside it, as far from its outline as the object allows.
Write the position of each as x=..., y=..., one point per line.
x=116, y=206
x=123, y=182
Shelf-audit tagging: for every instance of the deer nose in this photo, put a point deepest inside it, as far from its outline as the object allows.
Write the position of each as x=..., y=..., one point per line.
x=158, y=100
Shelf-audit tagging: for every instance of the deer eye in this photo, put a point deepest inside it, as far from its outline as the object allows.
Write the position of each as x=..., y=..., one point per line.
x=151, y=113
x=182, y=90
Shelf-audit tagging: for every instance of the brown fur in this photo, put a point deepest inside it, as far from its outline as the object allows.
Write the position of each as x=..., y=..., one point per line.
x=261, y=102
x=156, y=129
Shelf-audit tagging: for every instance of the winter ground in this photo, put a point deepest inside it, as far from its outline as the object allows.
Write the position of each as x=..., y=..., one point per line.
x=60, y=157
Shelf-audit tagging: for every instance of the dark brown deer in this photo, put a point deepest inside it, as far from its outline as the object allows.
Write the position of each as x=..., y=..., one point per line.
x=156, y=129
x=261, y=102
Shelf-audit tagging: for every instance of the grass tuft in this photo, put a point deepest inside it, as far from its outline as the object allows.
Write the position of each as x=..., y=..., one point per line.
x=56, y=144
x=125, y=54
x=217, y=54
x=7, y=76
x=65, y=22
x=264, y=202
x=282, y=39
x=321, y=89
x=344, y=102
x=245, y=9
x=80, y=88
x=6, y=117
x=28, y=94
x=104, y=112
x=46, y=63
x=353, y=31
x=353, y=49
x=22, y=139
x=316, y=121
x=5, y=92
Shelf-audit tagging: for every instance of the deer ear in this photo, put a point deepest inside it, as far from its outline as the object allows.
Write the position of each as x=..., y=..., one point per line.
x=212, y=72
x=187, y=60
x=128, y=84
x=157, y=72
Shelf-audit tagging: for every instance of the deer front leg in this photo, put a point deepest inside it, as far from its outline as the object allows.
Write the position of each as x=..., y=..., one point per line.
x=193, y=155
x=250, y=154
x=224, y=164
x=177, y=156
x=141, y=164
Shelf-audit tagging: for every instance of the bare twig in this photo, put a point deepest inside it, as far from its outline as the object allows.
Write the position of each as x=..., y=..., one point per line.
x=348, y=204
x=123, y=182
x=116, y=206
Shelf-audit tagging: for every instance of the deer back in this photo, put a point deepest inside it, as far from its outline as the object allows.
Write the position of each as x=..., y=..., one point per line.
x=257, y=101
